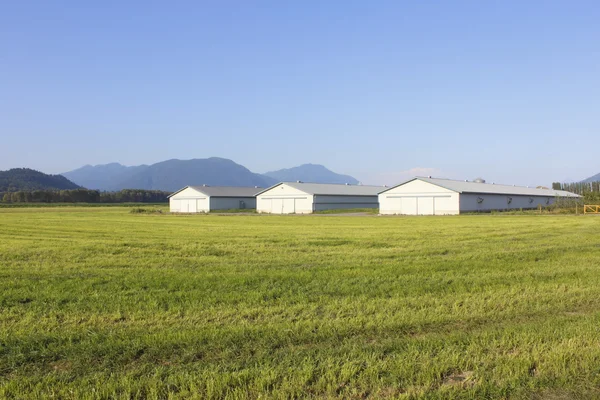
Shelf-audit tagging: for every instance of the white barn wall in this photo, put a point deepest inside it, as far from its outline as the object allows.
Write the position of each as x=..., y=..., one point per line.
x=187, y=193
x=230, y=203
x=419, y=198
x=284, y=199
x=189, y=201
x=491, y=202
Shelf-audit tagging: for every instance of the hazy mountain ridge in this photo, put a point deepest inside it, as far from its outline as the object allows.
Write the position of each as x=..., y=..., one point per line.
x=168, y=175
x=595, y=178
x=315, y=173
x=26, y=179
x=174, y=174
x=103, y=177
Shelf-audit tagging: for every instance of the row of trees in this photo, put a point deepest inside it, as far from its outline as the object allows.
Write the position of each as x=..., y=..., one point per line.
x=589, y=190
x=577, y=187
x=85, y=196
x=591, y=197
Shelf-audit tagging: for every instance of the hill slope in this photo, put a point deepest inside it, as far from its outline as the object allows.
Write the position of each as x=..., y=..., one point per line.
x=102, y=177
x=174, y=174
x=169, y=175
x=26, y=179
x=595, y=178
x=310, y=173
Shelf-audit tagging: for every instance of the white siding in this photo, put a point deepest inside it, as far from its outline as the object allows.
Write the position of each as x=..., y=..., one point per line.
x=174, y=205
x=229, y=203
x=189, y=201
x=284, y=199
x=419, y=198
x=469, y=202
x=189, y=205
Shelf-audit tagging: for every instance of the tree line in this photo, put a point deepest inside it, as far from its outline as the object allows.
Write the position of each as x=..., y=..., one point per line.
x=85, y=196
x=589, y=190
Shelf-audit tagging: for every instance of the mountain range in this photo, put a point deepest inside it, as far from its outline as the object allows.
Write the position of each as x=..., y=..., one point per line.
x=310, y=173
x=169, y=175
x=29, y=179
x=174, y=174
x=102, y=177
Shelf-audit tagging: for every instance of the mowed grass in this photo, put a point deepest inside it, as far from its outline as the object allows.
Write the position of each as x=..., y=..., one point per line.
x=101, y=303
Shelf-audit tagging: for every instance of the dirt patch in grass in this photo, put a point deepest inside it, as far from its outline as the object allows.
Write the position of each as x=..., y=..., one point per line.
x=62, y=366
x=390, y=393
x=563, y=395
x=575, y=313
x=462, y=379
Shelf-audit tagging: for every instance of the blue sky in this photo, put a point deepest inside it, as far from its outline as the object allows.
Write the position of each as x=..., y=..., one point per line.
x=380, y=90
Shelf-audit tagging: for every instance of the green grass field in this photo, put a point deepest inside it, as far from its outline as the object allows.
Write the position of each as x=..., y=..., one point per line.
x=102, y=303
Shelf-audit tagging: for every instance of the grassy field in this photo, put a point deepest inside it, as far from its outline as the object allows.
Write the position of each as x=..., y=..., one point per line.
x=86, y=205
x=102, y=303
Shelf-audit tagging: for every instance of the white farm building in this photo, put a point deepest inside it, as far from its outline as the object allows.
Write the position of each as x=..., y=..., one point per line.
x=195, y=199
x=305, y=198
x=432, y=196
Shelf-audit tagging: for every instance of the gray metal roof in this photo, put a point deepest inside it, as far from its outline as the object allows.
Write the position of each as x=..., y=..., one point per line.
x=332, y=189
x=491, y=188
x=223, y=191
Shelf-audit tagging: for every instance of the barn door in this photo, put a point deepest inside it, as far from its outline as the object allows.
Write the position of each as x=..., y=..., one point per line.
x=276, y=206
x=289, y=206
x=425, y=205
x=409, y=205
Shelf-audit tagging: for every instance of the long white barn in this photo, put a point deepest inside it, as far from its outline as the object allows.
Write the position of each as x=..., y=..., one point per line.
x=306, y=198
x=196, y=199
x=433, y=196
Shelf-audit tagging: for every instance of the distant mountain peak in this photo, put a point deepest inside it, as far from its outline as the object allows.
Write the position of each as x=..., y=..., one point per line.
x=101, y=176
x=174, y=174
x=315, y=173
x=169, y=175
